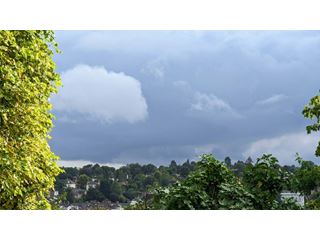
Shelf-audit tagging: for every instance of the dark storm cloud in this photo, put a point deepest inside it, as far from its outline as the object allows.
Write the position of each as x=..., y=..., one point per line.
x=216, y=91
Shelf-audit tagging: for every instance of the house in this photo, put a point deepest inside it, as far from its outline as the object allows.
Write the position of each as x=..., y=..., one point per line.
x=296, y=196
x=92, y=184
x=71, y=184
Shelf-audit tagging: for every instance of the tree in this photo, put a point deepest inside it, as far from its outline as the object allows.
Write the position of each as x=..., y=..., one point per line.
x=87, y=170
x=122, y=174
x=108, y=172
x=306, y=178
x=238, y=168
x=94, y=195
x=97, y=170
x=27, y=80
x=312, y=111
x=185, y=169
x=173, y=167
x=249, y=160
x=149, y=169
x=116, y=192
x=105, y=187
x=265, y=180
x=211, y=186
x=82, y=181
x=70, y=173
x=227, y=162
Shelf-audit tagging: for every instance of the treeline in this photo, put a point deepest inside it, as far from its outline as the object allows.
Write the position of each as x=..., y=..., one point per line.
x=122, y=185
x=243, y=185
x=261, y=181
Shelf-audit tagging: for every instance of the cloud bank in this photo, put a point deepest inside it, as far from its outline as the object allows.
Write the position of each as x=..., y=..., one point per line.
x=284, y=147
x=227, y=89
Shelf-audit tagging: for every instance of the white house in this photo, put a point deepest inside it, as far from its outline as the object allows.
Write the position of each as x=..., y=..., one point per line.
x=71, y=184
x=296, y=196
x=91, y=185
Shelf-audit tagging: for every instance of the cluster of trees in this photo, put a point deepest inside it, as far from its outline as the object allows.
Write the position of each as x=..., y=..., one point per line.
x=214, y=185
x=120, y=185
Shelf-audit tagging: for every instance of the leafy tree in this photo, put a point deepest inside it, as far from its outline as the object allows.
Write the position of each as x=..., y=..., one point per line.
x=312, y=111
x=227, y=162
x=87, y=170
x=173, y=167
x=60, y=184
x=82, y=181
x=139, y=181
x=27, y=80
x=108, y=172
x=70, y=172
x=306, y=177
x=249, y=160
x=238, y=168
x=165, y=179
x=106, y=187
x=211, y=186
x=94, y=194
x=122, y=174
x=185, y=169
x=149, y=169
x=265, y=180
x=131, y=193
x=134, y=169
x=148, y=181
x=116, y=192
x=96, y=170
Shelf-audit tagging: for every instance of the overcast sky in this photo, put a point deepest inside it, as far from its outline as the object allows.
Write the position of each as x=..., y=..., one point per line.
x=155, y=96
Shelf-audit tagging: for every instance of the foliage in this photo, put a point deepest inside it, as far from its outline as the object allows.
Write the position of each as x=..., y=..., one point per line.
x=313, y=204
x=82, y=181
x=94, y=194
x=120, y=185
x=306, y=177
x=227, y=162
x=27, y=79
x=312, y=111
x=265, y=180
x=211, y=186
x=69, y=195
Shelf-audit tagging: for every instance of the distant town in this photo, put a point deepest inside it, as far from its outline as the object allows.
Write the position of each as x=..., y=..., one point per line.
x=103, y=187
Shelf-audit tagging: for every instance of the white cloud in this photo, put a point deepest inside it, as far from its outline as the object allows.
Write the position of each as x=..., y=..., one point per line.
x=284, y=147
x=81, y=163
x=273, y=99
x=100, y=94
x=211, y=103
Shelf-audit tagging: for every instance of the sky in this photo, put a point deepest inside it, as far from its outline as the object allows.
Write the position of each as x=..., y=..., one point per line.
x=157, y=96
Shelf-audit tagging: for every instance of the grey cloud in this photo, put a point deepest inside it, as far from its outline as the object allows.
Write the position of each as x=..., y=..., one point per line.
x=237, y=68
